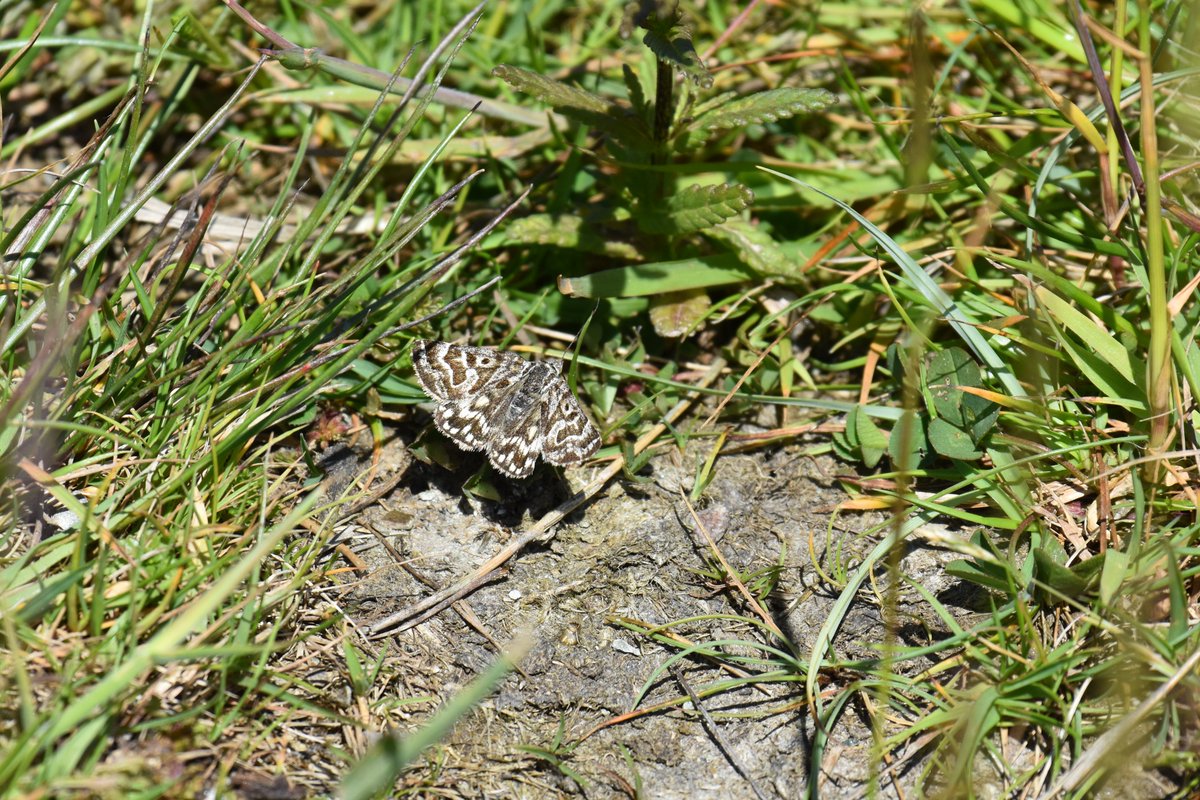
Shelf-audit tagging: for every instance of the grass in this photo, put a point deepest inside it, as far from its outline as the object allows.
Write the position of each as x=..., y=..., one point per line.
x=959, y=254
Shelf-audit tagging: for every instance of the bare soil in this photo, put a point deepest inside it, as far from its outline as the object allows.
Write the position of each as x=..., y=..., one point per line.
x=634, y=552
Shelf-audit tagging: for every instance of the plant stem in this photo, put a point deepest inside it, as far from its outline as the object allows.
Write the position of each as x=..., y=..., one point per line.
x=662, y=114
x=1158, y=387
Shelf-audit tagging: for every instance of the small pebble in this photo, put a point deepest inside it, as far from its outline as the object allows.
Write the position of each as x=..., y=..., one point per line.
x=63, y=520
x=622, y=646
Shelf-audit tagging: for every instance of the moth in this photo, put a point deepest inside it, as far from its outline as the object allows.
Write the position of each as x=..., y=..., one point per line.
x=512, y=409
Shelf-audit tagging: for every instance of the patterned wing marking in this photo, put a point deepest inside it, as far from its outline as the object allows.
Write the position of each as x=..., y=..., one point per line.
x=515, y=453
x=519, y=422
x=464, y=422
x=451, y=371
x=569, y=438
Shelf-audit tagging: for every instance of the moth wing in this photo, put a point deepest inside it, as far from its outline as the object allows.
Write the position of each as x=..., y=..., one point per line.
x=453, y=371
x=514, y=452
x=569, y=437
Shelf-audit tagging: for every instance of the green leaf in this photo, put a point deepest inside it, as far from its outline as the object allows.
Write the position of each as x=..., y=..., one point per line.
x=50, y=590
x=1073, y=582
x=581, y=105
x=1112, y=385
x=678, y=51
x=354, y=668
x=482, y=485
x=641, y=280
x=1036, y=222
x=917, y=447
x=1098, y=339
x=1078, y=297
x=989, y=576
x=979, y=415
x=674, y=314
x=952, y=442
x=758, y=108
x=569, y=232
x=851, y=432
x=1112, y=574
x=667, y=37
x=948, y=371
x=697, y=207
x=843, y=448
x=634, y=462
x=873, y=441
x=552, y=92
x=1049, y=28
x=633, y=90
x=755, y=247
x=714, y=102
x=963, y=323
x=972, y=730
x=194, y=617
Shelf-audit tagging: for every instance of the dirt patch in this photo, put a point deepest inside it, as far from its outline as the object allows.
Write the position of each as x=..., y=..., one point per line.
x=633, y=553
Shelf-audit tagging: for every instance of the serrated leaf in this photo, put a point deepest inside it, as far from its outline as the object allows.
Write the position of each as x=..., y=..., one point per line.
x=675, y=314
x=755, y=248
x=569, y=232
x=675, y=47
x=633, y=89
x=550, y=91
x=716, y=101
x=698, y=207
x=768, y=106
x=666, y=36
x=587, y=107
